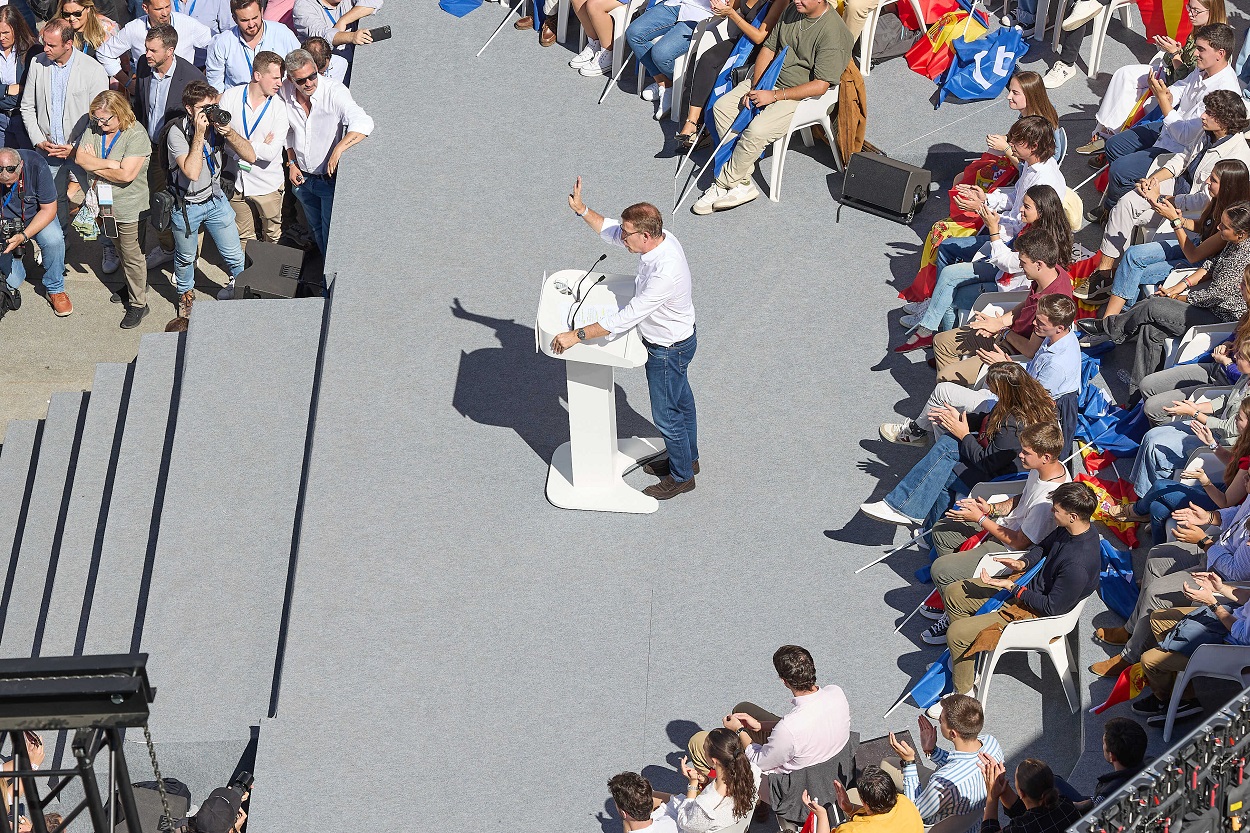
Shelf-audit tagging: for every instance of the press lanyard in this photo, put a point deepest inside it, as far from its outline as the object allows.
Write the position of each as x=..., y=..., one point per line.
x=109, y=150
x=208, y=157
x=12, y=191
x=248, y=131
x=333, y=20
x=248, y=57
x=190, y=9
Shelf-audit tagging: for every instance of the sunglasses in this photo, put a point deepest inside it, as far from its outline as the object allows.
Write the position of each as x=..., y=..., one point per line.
x=76, y=14
x=306, y=79
x=9, y=169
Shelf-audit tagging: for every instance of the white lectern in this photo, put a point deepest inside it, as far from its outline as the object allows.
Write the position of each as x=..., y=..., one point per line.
x=586, y=472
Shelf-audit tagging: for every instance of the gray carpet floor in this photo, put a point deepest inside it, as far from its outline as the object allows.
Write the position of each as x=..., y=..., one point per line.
x=488, y=658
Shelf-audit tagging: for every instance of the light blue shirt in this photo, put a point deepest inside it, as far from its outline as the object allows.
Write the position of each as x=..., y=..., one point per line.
x=1230, y=554
x=9, y=66
x=229, y=61
x=56, y=109
x=957, y=786
x=1057, y=367
x=215, y=14
x=1242, y=66
x=158, y=99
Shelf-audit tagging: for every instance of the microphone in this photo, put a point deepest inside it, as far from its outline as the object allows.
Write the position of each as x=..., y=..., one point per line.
x=598, y=281
x=578, y=287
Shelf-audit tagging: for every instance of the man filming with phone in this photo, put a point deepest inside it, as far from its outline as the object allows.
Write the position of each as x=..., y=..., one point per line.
x=334, y=21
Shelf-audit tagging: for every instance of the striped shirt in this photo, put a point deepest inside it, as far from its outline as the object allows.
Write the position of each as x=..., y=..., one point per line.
x=958, y=786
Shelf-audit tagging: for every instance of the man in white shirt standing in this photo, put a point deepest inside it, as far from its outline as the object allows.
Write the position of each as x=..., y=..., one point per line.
x=232, y=52
x=260, y=117
x=193, y=39
x=1131, y=152
x=663, y=311
x=332, y=20
x=324, y=122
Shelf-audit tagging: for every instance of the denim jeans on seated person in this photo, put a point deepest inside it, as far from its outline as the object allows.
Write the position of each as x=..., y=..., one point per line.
x=660, y=21
x=1165, y=497
x=958, y=250
x=1130, y=153
x=956, y=284
x=1162, y=455
x=933, y=485
x=1145, y=264
x=215, y=217
x=51, y=242
x=672, y=403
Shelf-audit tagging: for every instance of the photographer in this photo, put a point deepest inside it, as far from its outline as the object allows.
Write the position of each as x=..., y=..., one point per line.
x=28, y=212
x=222, y=811
x=196, y=147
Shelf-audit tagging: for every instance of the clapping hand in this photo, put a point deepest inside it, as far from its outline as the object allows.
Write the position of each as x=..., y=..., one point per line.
x=1014, y=565
x=1167, y=44
x=990, y=218
x=903, y=749
x=969, y=509
x=1188, y=532
x=1161, y=93
x=1181, y=407
x=1202, y=431
x=995, y=776
x=722, y=8
x=928, y=734
x=1202, y=593
x=1000, y=583
x=843, y=800
x=1213, y=582
x=1149, y=189
x=993, y=355
x=996, y=142
x=953, y=421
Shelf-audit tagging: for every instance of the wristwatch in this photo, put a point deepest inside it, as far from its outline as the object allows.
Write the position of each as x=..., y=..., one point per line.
x=1178, y=222
x=581, y=334
x=1206, y=542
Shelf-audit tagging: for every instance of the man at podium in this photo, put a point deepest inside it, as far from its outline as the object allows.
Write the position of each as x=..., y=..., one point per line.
x=663, y=311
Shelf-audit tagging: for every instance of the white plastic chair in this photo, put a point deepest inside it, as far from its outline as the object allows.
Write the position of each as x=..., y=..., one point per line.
x=998, y=489
x=1002, y=300
x=1223, y=662
x=870, y=32
x=1196, y=341
x=563, y=12
x=710, y=32
x=622, y=16
x=809, y=113
x=1047, y=635
x=739, y=826
x=1101, y=23
x=960, y=824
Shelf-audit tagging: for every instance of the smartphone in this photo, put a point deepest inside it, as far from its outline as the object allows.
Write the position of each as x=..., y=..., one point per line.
x=380, y=33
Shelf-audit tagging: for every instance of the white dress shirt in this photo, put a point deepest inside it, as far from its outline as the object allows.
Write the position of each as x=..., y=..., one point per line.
x=193, y=37
x=229, y=61
x=1183, y=126
x=254, y=121
x=663, y=304
x=313, y=135
x=814, y=731
x=1007, y=201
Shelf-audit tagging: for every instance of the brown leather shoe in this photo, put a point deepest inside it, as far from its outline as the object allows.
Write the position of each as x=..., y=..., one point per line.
x=524, y=23
x=547, y=35
x=659, y=468
x=1115, y=637
x=185, y=303
x=1110, y=667
x=669, y=488
x=60, y=304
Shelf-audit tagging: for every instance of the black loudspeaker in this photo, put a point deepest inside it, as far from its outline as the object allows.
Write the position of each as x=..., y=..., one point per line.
x=884, y=186
x=272, y=271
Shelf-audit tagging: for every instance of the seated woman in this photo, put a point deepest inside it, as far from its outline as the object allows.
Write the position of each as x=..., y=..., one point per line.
x=724, y=800
x=91, y=28
x=596, y=19
x=1162, y=391
x=710, y=63
x=959, y=284
x=1148, y=264
x=658, y=37
x=1035, y=803
x=1186, y=174
x=1166, y=496
x=960, y=459
x=1211, y=294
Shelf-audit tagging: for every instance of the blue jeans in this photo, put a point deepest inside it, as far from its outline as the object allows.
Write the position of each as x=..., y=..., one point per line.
x=1026, y=12
x=660, y=57
x=51, y=241
x=1165, y=497
x=1130, y=153
x=958, y=250
x=956, y=284
x=317, y=197
x=932, y=485
x=61, y=169
x=217, y=218
x=1163, y=452
x=672, y=403
x=1144, y=265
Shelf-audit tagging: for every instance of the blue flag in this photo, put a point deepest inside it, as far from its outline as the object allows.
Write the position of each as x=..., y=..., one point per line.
x=724, y=79
x=1119, y=432
x=767, y=81
x=1116, y=584
x=459, y=7
x=982, y=68
x=539, y=16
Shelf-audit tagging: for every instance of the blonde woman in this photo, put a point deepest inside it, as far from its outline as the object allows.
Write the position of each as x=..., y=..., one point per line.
x=90, y=27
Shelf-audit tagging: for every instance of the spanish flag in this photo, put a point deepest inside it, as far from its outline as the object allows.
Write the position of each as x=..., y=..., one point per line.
x=1132, y=682
x=1165, y=17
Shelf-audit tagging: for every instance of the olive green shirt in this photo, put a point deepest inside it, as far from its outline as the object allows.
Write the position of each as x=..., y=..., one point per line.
x=132, y=198
x=819, y=48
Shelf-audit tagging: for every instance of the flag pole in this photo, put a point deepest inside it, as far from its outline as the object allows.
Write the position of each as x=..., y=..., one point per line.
x=899, y=548
x=690, y=183
x=615, y=78
x=913, y=613
x=897, y=703
x=511, y=11
x=1092, y=177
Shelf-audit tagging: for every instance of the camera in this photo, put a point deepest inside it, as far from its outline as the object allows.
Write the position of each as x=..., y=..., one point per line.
x=9, y=227
x=241, y=782
x=216, y=115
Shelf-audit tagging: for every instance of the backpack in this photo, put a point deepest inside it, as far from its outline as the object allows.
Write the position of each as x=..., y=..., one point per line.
x=148, y=805
x=892, y=39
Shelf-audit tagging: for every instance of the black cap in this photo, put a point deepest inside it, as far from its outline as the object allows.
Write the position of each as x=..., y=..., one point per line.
x=219, y=810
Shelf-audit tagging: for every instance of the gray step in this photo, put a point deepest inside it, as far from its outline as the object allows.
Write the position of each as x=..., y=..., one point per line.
x=86, y=513
x=19, y=460
x=36, y=559
x=221, y=564
x=135, y=503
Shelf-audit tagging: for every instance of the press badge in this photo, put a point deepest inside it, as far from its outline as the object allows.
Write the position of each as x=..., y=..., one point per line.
x=107, y=219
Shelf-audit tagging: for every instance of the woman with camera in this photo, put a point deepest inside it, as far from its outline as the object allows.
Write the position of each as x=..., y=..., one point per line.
x=115, y=152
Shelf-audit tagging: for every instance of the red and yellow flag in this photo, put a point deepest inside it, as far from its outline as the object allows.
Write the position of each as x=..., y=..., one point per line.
x=1132, y=682
x=1111, y=492
x=1165, y=17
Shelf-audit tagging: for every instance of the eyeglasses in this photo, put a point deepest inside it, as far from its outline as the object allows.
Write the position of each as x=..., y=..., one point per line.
x=76, y=14
x=1194, y=11
x=305, y=80
x=625, y=234
x=9, y=169
x=101, y=122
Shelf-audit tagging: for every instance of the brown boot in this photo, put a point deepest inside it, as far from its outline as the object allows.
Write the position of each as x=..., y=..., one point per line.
x=185, y=303
x=1115, y=637
x=547, y=35
x=1111, y=667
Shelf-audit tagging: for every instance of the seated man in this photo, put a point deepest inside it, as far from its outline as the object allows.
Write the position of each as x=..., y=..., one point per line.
x=1056, y=366
x=631, y=793
x=1016, y=524
x=1124, y=744
x=1131, y=152
x=883, y=810
x=819, y=51
x=958, y=784
x=1070, y=574
x=963, y=352
x=1170, y=566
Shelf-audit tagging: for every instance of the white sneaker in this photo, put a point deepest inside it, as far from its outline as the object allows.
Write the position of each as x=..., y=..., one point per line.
x=226, y=293
x=109, y=261
x=1083, y=12
x=158, y=257
x=651, y=92
x=934, y=712
x=736, y=196
x=703, y=205
x=601, y=64
x=666, y=103
x=1058, y=75
x=904, y=433
x=883, y=511
x=586, y=55
x=916, y=307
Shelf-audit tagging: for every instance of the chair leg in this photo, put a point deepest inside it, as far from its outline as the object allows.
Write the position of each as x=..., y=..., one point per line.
x=779, y=163
x=1061, y=657
x=832, y=137
x=1177, y=691
x=865, y=42
x=986, y=674
x=805, y=133
x=562, y=21
x=1125, y=16
x=1100, y=35
x=1043, y=8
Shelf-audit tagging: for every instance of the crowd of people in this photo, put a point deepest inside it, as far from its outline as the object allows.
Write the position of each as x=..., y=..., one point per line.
x=1005, y=405
x=225, y=117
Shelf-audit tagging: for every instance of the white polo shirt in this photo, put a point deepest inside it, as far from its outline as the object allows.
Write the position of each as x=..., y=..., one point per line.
x=256, y=121
x=663, y=304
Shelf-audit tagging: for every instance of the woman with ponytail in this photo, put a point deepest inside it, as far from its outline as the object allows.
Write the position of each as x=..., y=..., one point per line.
x=1035, y=803
x=726, y=799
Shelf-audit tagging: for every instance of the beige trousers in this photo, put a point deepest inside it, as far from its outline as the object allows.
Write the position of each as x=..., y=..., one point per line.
x=134, y=264
x=768, y=125
x=856, y=12
x=262, y=212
